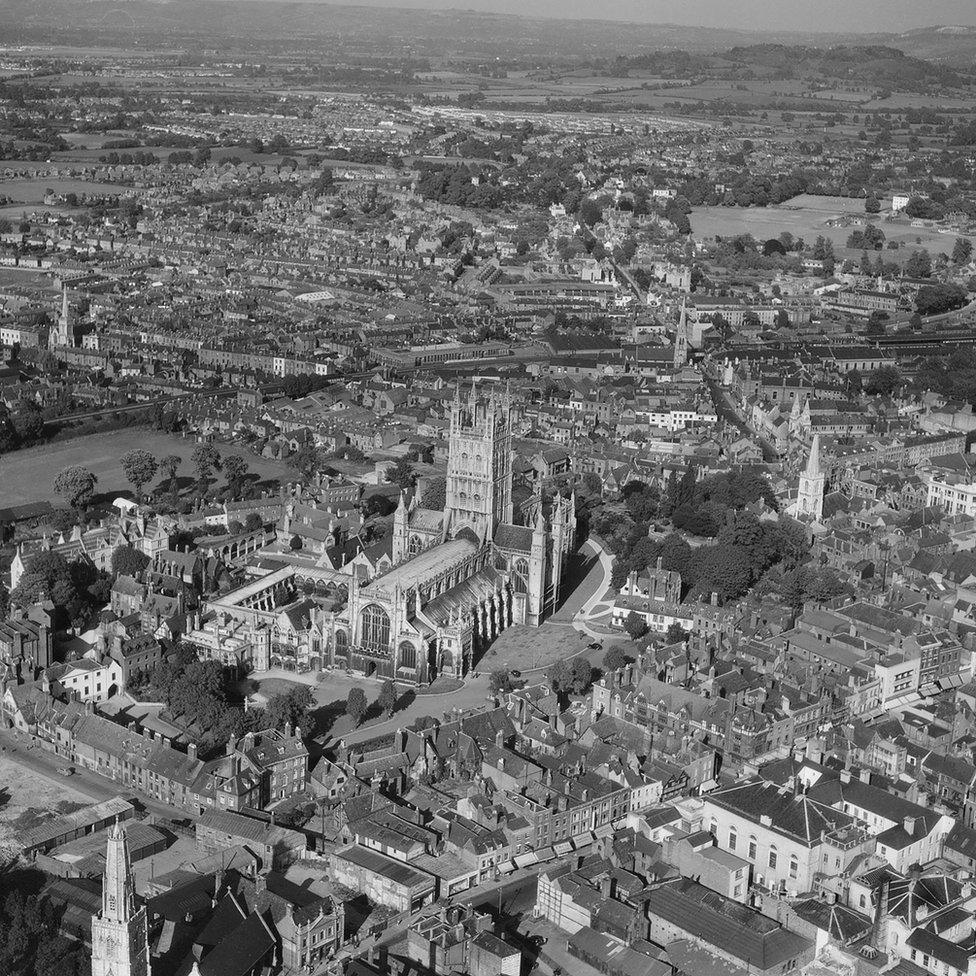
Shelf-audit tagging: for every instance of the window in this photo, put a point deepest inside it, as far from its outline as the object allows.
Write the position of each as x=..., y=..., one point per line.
x=341, y=641
x=520, y=576
x=375, y=629
x=794, y=866
x=772, y=857
x=752, y=848
x=732, y=839
x=408, y=655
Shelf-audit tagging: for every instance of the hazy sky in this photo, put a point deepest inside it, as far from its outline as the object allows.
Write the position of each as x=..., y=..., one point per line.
x=820, y=15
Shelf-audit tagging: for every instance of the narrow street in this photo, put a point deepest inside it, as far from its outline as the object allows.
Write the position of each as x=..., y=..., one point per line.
x=24, y=751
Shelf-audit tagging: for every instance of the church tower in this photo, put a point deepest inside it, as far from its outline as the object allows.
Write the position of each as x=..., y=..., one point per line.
x=401, y=525
x=120, y=936
x=64, y=334
x=681, y=338
x=479, y=465
x=810, y=496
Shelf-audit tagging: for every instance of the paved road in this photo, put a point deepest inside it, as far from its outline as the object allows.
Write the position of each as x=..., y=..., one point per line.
x=99, y=788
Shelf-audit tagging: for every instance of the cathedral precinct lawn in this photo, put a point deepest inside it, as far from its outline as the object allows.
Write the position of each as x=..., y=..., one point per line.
x=521, y=648
x=28, y=476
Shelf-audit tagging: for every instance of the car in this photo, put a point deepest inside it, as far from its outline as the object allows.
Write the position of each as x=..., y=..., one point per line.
x=66, y=770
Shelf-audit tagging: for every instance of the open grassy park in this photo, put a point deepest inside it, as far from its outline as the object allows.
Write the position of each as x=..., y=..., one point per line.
x=28, y=476
x=807, y=216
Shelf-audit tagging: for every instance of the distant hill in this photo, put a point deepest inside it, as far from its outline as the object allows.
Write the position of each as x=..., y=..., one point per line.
x=415, y=33
x=874, y=64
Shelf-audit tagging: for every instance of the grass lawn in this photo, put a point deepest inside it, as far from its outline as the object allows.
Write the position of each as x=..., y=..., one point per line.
x=527, y=648
x=27, y=476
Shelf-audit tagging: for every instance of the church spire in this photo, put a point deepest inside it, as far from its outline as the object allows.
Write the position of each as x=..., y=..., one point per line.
x=118, y=897
x=813, y=461
x=120, y=933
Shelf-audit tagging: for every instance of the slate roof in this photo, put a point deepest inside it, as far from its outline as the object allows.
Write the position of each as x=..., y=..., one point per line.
x=733, y=928
x=795, y=815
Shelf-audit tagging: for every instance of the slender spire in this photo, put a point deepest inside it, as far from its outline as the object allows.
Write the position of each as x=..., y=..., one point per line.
x=118, y=893
x=813, y=462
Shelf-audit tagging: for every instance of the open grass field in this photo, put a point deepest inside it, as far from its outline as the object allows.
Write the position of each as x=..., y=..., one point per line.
x=807, y=217
x=32, y=191
x=29, y=475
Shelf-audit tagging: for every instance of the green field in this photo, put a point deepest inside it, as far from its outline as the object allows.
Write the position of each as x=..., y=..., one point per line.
x=807, y=217
x=32, y=191
x=28, y=476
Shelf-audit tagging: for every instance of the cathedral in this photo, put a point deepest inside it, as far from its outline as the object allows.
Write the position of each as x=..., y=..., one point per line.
x=446, y=584
x=461, y=575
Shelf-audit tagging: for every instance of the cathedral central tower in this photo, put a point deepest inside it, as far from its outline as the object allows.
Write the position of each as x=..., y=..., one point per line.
x=479, y=465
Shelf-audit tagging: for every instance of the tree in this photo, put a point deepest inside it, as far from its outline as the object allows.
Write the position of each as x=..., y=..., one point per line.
x=560, y=677
x=356, y=704
x=290, y=710
x=883, y=381
x=169, y=464
x=205, y=458
x=127, y=561
x=581, y=674
x=402, y=474
x=235, y=471
x=76, y=485
x=388, y=697
x=962, y=250
x=635, y=625
x=306, y=461
x=9, y=438
x=614, y=659
x=676, y=634
x=29, y=423
x=919, y=264
x=500, y=682
x=139, y=467
x=938, y=298
x=253, y=522
x=872, y=204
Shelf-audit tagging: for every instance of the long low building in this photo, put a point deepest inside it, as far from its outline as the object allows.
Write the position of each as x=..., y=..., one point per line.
x=382, y=879
x=88, y=820
x=275, y=846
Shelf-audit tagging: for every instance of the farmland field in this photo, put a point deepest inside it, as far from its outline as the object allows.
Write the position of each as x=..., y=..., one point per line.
x=27, y=476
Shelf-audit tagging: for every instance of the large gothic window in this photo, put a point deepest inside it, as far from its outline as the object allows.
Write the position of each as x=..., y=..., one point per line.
x=415, y=545
x=375, y=629
x=408, y=655
x=341, y=641
x=520, y=576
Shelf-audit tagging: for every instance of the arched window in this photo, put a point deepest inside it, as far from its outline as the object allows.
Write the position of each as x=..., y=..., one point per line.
x=713, y=827
x=520, y=576
x=375, y=629
x=732, y=838
x=415, y=545
x=772, y=858
x=752, y=848
x=341, y=641
x=408, y=655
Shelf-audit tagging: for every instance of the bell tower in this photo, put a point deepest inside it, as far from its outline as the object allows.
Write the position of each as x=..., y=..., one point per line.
x=479, y=464
x=120, y=935
x=810, y=495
